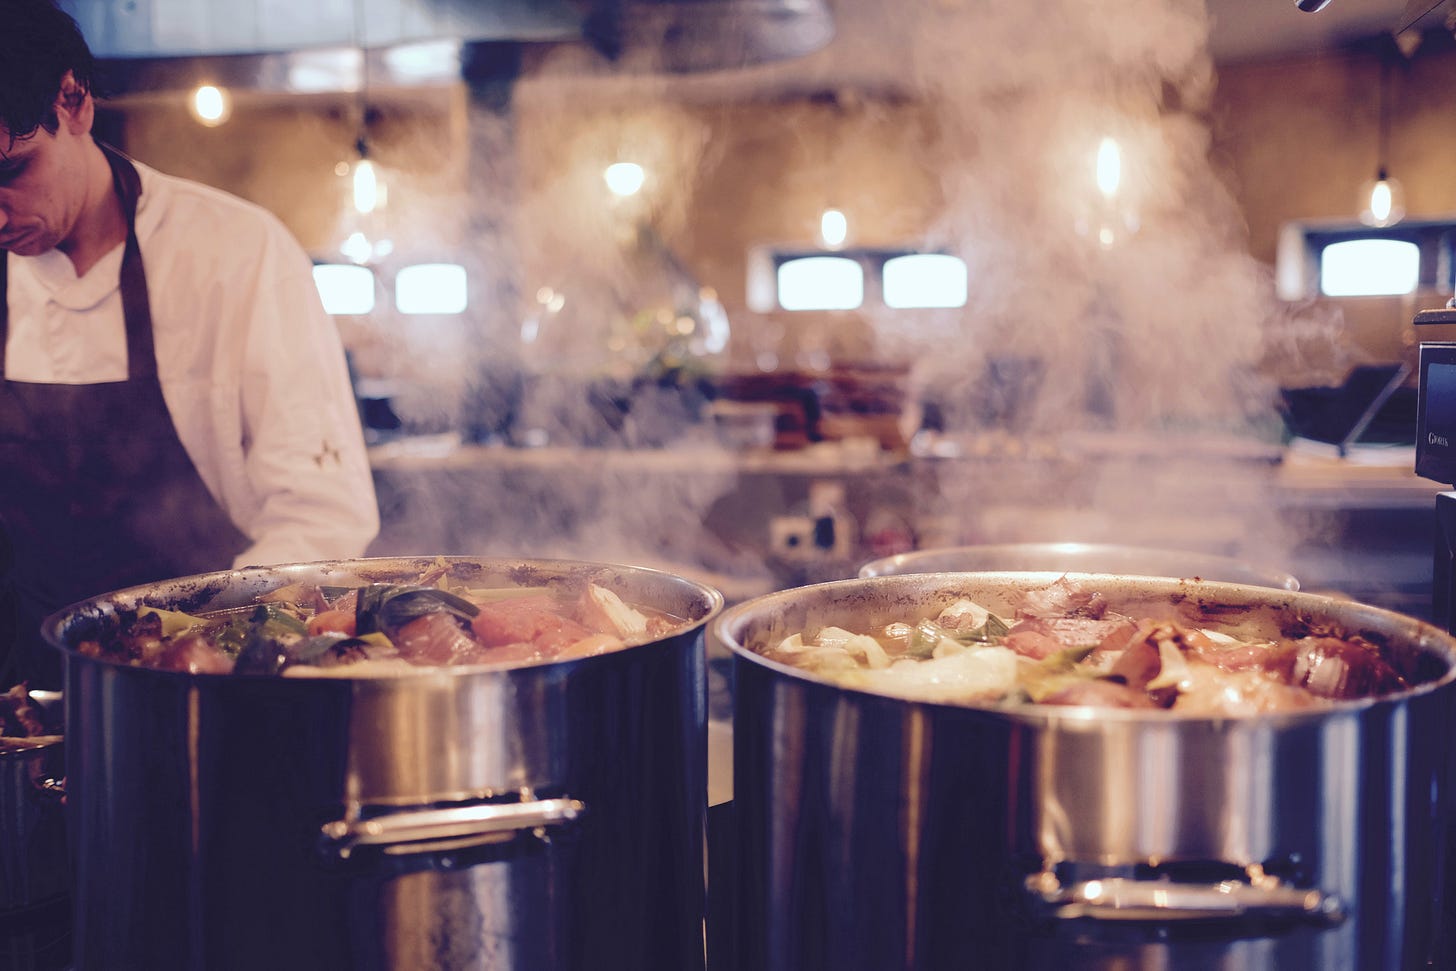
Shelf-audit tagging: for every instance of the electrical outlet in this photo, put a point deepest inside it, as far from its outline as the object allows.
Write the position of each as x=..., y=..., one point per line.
x=791, y=537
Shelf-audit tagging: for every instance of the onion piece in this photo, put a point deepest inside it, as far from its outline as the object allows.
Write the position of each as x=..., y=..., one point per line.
x=629, y=624
x=1173, y=666
x=793, y=644
x=173, y=621
x=964, y=615
x=863, y=645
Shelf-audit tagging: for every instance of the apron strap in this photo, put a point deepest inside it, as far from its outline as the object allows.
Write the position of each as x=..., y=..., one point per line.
x=4, y=307
x=141, y=357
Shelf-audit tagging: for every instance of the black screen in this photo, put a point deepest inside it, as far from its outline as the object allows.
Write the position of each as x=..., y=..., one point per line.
x=1436, y=427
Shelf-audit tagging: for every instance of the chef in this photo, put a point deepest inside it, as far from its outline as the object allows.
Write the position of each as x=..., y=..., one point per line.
x=173, y=398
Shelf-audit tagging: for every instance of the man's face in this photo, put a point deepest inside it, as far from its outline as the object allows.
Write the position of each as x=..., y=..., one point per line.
x=42, y=189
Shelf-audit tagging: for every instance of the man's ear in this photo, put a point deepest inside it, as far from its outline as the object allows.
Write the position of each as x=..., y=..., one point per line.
x=74, y=106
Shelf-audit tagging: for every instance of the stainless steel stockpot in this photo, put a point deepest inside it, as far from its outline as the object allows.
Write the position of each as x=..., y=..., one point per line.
x=539, y=817
x=876, y=832
x=33, y=859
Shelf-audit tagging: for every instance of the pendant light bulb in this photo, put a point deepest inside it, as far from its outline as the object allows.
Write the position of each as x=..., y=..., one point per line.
x=1382, y=201
x=1109, y=167
x=210, y=105
x=624, y=178
x=833, y=228
x=366, y=186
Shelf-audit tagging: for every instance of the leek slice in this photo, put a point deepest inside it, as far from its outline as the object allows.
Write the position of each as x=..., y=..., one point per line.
x=173, y=621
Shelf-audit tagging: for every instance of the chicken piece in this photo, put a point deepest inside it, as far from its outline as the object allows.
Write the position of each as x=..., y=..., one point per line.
x=536, y=621
x=1274, y=659
x=1039, y=637
x=436, y=638
x=1033, y=642
x=194, y=654
x=332, y=622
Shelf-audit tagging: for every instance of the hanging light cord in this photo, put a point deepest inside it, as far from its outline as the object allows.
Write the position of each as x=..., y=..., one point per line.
x=361, y=142
x=1382, y=136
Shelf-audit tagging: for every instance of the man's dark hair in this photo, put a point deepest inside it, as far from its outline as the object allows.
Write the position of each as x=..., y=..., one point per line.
x=39, y=43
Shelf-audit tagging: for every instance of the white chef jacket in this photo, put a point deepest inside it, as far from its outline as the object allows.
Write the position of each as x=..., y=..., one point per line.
x=251, y=366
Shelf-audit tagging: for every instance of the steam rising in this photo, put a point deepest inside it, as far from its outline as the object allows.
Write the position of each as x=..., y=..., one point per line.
x=1104, y=382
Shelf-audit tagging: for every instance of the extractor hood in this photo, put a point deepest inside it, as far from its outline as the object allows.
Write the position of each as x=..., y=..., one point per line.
x=180, y=28
x=287, y=45
x=707, y=35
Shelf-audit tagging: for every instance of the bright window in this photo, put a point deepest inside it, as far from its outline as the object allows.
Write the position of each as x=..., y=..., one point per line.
x=1369, y=268
x=430, y=288
x=345, y=289
x=925, y=280
x=821, y=283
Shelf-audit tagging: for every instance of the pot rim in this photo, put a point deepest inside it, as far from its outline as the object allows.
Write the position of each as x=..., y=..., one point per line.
x=31, y=746
x=1419, y=633
x=1192, y=564
x=219, y=582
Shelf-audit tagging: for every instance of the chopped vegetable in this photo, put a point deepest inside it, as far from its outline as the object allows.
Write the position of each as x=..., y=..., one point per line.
x=387, y=607
x=1067, y=646
x=381, y=629
x=173, y=621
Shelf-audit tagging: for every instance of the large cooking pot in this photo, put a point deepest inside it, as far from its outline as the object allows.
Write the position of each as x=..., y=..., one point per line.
x=33, y=862
x=1147, y=561
x=876, y=832
x=484, y=817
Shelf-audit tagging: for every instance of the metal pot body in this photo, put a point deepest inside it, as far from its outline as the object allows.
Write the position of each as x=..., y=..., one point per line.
x=535, y=817
x=33, y=859
x=876, y=833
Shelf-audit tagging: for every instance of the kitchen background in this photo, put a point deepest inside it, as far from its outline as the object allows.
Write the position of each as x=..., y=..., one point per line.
x=1131, y=345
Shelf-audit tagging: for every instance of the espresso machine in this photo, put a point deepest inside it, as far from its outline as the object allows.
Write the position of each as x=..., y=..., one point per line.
x=1436, y=454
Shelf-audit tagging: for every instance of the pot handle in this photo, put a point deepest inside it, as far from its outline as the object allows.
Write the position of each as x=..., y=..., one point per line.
x=1123, y=899
x=457, y=827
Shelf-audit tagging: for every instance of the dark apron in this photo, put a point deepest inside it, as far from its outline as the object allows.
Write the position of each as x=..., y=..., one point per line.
x=97, y=491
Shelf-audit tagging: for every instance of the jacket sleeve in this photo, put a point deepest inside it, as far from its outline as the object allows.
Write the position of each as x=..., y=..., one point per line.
x=303, y=448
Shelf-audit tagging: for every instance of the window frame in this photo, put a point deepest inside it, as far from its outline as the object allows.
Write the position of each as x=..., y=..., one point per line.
x=865, y=282
x=404, y=271
x=1360, y=263
x=884, y=273
x=1302, y=245
x=764, y=295
x=375, y=285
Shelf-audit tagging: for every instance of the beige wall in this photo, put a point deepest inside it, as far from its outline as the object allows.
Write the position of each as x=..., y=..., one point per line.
x=725, y=178
x=1297, y=137
x=1293, y=139
x=282, y=155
